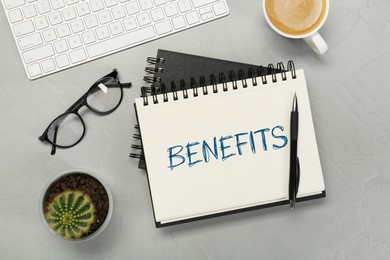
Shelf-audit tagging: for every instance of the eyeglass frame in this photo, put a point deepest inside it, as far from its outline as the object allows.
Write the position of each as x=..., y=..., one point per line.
x=81, y=102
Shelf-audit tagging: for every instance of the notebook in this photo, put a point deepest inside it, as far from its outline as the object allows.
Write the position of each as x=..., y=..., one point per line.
x=176, y=70
x=224, y=148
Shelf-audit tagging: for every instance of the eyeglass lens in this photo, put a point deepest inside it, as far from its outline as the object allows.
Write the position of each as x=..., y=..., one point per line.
x=66, y=130
x=106, y=96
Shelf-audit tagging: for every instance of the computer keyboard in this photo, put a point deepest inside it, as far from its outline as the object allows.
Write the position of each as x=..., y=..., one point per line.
x=53, y=35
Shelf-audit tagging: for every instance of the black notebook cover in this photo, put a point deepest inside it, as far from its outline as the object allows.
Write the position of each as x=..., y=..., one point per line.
x=176, y=67
x=174, y=71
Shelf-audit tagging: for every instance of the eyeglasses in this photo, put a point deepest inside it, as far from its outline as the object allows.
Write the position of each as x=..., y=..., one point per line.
x=103, y=98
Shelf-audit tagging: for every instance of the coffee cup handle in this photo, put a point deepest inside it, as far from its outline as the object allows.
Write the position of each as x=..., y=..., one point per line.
x=317, y=43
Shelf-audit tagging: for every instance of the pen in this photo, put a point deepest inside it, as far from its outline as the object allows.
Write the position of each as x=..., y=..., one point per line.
x=294, y=160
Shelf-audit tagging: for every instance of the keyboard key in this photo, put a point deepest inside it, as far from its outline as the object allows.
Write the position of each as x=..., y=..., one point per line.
x=23, y=28
x=75, y=41
x=184, y=5
x=205, y=10
x=63, y=30
x=220, y=8
x=49, y=35
x=116, y=28
x=130, y=23
x=55, y=18
x=48, y=65
x=43, y=6
x=192, y=17
x=57, y=4
x=30, y=41
x=159, y=2
x=91, y=21
x=145, y=4
x=61, y=46
x=83, y=9
x=62, y=61
x=13, y=3
x=96, y=5
x=178, y=22
x=69, y=13
x=71, y=2
x=77, y=26
x=34, y=70
x=29, y=11
x=77, y=55
x=102, y=32
x=171, y=10
x=39, y=53
x=118, y=12
x=163, y=27
x=88, y=37
x=143, y=19
x=15, y=16
x=30, y=1
x=132, y=8
x=199, y=3
x=41, y=22
x=121, y=41
x=110, y=3
x=206, y=16
x=157, y=14
x=104, y=17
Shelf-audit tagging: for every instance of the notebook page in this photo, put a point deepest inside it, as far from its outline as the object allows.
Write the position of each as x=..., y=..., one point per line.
x=226, y=150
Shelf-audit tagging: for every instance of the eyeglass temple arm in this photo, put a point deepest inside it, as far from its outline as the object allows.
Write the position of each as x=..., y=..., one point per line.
x=96, y=87
x=127, y=85
x=80, y=102
x=53, y=147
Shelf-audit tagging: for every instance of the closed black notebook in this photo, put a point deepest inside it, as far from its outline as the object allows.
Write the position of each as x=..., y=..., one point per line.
x=172, y=71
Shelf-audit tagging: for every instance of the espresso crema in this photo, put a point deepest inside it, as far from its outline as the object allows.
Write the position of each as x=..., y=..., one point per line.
x=295, y=17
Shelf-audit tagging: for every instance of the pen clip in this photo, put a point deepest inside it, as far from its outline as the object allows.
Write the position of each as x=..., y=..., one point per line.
x=298, y=177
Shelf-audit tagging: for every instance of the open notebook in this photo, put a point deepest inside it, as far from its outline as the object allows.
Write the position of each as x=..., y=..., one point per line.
x=224, y=148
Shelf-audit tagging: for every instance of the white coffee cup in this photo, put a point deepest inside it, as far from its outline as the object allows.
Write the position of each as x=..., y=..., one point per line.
x=312, y=38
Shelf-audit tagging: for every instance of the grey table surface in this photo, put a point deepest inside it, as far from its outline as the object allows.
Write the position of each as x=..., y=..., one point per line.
x=349, y=91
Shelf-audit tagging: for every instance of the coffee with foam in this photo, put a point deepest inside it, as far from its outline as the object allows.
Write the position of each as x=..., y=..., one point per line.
x=296, y=17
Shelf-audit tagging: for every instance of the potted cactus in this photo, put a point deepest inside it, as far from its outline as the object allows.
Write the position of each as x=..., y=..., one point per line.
x=76, y=205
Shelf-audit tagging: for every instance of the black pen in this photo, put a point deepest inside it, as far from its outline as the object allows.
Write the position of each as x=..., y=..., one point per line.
x=294, y=160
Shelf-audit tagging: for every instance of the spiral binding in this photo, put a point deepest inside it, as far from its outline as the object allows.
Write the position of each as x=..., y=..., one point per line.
x=232, y=78
x=193, y=86
x=153, y=69
x=154, y=60
x=241, y=76
x=280, y=67
x=251, y=74
x=271, y=67
x=137, y=146
x=213, y=82
x=158, y=87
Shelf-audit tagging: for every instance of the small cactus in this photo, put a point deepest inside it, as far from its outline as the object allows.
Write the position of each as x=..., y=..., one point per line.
x=70, y=214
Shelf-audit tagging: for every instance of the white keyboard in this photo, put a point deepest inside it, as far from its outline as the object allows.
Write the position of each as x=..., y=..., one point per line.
x=53, y=35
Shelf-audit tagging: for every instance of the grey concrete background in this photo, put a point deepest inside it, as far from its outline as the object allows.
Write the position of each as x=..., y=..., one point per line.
x=349, y=90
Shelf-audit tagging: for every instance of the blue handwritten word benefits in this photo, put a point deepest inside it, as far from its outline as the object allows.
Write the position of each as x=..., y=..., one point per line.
x=226, y=147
